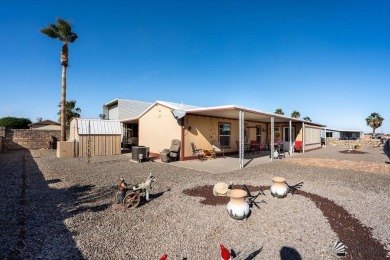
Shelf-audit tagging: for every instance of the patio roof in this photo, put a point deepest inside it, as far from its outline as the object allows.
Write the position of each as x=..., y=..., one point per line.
x=232, y=112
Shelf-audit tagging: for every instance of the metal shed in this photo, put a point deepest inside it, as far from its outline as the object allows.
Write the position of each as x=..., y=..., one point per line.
x=96, y=136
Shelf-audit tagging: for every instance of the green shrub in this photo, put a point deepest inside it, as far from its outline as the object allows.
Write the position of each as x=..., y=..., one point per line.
x=15, y=122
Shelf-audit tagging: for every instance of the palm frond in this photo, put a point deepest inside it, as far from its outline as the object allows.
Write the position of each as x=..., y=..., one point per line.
x=51, y=30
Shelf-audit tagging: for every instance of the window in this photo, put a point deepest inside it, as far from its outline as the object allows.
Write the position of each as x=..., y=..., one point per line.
x=258, y=134
x=224, y=134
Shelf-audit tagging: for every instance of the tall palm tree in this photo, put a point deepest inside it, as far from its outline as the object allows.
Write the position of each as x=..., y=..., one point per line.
x=279, y=111
x=374, y=121
x=295, y=114
x=63, y=32
x=307, y=119
x=71, y=112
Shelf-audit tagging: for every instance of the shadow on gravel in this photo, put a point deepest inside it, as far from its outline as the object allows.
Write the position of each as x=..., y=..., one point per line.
x=74, y=200
x=289, y=253
x=33, y=214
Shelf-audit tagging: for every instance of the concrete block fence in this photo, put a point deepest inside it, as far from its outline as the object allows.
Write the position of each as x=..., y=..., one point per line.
x=13, y=139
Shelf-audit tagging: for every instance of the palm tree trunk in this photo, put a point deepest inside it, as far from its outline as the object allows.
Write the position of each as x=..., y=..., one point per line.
x=63, y=106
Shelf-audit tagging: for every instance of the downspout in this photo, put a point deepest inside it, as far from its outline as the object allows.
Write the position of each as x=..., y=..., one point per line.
x=241, y=139
x=182, y=141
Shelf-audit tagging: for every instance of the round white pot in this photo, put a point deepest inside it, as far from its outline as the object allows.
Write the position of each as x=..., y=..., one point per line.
x=279, y=188
x=237, y=207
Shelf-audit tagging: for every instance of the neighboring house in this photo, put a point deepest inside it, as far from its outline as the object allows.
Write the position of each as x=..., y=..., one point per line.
x=126, y=110
x=45, y=125
x=342, y=134
x=201, y=126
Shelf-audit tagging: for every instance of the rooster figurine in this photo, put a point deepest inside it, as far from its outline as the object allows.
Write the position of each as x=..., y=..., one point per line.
x=225, y=253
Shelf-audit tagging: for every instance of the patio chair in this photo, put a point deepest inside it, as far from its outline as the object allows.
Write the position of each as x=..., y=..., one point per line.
x=255, y=146
x=174, y=151
x=218, y=148
x=263, y=146
x=247, y=147
x=209, y=154
x=197, y=152
x=281, y=151
x=298, y=146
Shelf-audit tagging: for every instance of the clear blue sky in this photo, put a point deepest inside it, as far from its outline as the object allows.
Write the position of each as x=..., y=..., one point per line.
x=329, y=60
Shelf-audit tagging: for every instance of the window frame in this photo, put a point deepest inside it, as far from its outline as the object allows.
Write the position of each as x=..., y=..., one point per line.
x=230, y=134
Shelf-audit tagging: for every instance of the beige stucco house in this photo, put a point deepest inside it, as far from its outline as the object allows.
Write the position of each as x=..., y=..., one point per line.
x=157, y=127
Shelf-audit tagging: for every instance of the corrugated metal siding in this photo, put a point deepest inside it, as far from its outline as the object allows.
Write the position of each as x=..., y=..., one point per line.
x=131, y=108
x=98, y=127
x=99, y=145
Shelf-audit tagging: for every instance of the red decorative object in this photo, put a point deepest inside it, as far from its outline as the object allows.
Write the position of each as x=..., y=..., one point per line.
x=164, y=257
x=225, y=253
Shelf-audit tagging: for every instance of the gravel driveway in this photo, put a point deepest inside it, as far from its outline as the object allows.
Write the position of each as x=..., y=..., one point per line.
x=62, y=208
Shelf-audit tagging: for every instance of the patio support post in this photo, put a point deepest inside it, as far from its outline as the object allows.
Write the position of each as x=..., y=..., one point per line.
x=303, y=137
x=182, y=143
x=290, y=137
x=272, y=137
x=241, y=139
x=325, y=136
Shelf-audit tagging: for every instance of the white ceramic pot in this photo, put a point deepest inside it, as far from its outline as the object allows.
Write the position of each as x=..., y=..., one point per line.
x=237, y=207
x=279, y=188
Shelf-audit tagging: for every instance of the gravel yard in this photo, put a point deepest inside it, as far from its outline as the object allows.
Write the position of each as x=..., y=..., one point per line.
x=62, y=208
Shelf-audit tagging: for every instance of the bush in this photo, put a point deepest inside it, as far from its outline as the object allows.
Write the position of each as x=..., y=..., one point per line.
x=15, y=122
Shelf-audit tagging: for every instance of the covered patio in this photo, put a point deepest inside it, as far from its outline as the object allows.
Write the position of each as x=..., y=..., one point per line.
x=309, y=133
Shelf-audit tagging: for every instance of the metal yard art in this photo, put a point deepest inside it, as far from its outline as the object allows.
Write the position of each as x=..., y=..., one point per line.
x=133, y=195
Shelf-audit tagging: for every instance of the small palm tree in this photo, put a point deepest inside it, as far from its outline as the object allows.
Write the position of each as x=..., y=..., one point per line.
x=295, y=114
x=307, y=119
x=374, y=121
x=279, y=111
x=71, y=112
x=63, y=32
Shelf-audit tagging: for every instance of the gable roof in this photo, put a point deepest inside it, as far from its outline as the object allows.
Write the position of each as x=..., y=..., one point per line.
x=178, y=105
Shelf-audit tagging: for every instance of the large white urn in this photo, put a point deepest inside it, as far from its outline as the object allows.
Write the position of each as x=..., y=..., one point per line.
x=237, y=207
x=279, y=188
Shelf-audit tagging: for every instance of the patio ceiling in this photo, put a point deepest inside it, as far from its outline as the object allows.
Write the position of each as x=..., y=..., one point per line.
x=232, y=112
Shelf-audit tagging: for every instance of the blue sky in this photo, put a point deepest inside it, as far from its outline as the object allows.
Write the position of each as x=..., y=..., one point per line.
x=329, y=60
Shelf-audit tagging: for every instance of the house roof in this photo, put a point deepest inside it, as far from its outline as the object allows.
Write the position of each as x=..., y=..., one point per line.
x=227, y=111
x=171, y=105
x=177, y=105
x=45, y=122
x=86, y=126
x=232, y=112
